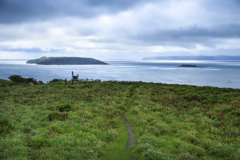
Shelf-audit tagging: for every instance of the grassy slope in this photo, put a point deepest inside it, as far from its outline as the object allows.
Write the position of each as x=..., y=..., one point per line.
x=5, y=82
x=172, y=120
x=169, y=121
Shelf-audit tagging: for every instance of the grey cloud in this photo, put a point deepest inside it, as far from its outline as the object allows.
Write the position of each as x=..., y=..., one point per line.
x=210, y=23
x=16, y=11
x=189, y=37
x=214, y=5
x=183, y=37
x=120, y=4
x=32, y=50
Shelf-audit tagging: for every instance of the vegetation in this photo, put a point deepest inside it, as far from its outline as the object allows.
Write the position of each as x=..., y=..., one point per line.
x=19, y=79
x=4, y=82
x=83, y=121
x=65, y=61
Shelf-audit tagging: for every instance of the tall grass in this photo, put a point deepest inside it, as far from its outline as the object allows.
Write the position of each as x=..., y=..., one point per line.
x=83, y=121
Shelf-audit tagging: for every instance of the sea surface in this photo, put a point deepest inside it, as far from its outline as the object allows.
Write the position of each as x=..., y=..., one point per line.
x=217, y=74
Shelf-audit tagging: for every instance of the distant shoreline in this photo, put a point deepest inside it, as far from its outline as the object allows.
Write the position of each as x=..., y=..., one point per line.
x=220, y=57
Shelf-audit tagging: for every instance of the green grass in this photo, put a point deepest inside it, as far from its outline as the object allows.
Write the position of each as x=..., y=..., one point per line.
x=4, y=82
x=117, y=149
x=83, y=121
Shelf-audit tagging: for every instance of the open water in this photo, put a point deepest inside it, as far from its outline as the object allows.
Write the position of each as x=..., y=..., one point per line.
x=217, y=74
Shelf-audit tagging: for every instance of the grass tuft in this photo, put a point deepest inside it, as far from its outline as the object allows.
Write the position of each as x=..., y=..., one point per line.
x=5, y=126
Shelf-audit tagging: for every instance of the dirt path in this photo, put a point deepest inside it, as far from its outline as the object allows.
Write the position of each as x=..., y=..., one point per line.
x=130, y=132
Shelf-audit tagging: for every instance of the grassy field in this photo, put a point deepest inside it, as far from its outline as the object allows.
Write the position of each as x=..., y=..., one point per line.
x=83, y=121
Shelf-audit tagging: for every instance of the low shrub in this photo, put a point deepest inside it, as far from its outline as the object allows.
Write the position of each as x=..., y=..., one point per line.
x=41, y=82
x=111, y=135
x=85, y=114
x=30, y=81
x=64, y=107
x=56, y=128
x=37, y=143
x=220, y=150
x=26, y=129
x=134, y=111
x=16, y=79
x=142, y=147
x=25, y=100
x=113, y=123
x=54, y=80
x=186, y=156
x=155, y=131
x=56, y=115
x=196, y=150
x=5, y=126
x=122, y=107
x=162, y=127
x=19, y=79
x=151, y=154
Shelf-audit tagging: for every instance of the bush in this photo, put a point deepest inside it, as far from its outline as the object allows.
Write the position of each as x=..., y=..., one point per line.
x=142, y=147
x=113, y=123
x=64, y=107
x=155, y=131
x=30, y=81
x=41, y=82
x=19, y=79
x=56, y=128
x=134, y=111
x=4, y=82
x=111, y=135
x=54, y=80
x=56, y=115
x=5, y=126
x=122, y=107
x=37, y=143
x=220, y=150
x=186, y=156
x=151, y=154
x=24, y=100
x=26, y=129
x=16, y=78
x=162, y=127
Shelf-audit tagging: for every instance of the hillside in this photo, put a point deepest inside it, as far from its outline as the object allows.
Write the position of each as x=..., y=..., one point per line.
x=66, y=61
x=84, y=121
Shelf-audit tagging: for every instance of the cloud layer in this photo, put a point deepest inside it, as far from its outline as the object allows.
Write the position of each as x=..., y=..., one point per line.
x=121, y=29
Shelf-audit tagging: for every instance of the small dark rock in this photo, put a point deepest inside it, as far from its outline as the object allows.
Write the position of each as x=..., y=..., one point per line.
x=188, y=65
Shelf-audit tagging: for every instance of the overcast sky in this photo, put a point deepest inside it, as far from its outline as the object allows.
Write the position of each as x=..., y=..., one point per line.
x=118, y=29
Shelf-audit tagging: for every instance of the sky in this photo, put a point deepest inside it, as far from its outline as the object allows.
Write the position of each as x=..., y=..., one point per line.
x=118, y=29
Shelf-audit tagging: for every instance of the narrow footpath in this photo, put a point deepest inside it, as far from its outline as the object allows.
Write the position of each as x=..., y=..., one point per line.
x=130, y=133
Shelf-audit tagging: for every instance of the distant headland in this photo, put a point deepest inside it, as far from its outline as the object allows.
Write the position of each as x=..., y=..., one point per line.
x=66, y=61
x=220, y=57
x=188, y=65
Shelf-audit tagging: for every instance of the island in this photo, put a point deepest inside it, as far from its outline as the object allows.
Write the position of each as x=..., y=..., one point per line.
x=66, y=61
x=188, y=65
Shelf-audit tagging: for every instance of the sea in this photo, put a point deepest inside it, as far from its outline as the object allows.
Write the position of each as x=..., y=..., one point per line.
x=222, y=74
